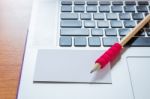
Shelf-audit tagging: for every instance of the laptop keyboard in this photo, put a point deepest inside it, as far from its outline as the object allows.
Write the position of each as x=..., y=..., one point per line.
x=102, y=23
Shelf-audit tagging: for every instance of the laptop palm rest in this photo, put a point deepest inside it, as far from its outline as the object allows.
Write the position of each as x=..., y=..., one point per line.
x=69, y=66
x=139, y=68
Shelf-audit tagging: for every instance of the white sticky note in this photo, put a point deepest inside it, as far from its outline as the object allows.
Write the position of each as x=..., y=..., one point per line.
x=71, y=66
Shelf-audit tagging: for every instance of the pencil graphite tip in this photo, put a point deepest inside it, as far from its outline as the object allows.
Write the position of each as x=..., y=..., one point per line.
x=96, y=67
x=92, y=71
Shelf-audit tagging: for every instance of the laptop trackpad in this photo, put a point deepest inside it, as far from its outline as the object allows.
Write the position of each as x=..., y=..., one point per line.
x=71, y=66
x=139, y=68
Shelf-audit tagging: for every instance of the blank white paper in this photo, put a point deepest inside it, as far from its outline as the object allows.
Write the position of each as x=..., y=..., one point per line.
x=69, y=66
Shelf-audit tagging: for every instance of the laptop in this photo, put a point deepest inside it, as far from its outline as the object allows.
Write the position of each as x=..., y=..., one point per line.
x=66, y=36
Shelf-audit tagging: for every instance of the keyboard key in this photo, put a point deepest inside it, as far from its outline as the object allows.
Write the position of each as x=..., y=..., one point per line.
x=137, y=16
x=91, y=9
x=104, y=8
x=115, y=24
x=79, y=2
x=94, y=41
x=138, y=21
x=147, y=31
x=71, y=24
x=80, y=41
x=97, y=32
x=89, y=24
x=111, y=32
x=140, y=33
x=69, y=16
x=116, y=8
x=146, y=13
x=142, y=8
x=92, y=3
x=66, y=8
x=85, y=16
x=130, y=2
x=109, y=41
x=98, y=16
x=139, y=42
x=129, y=24
x=103, y=24
x=111, y=16
x=147, y=25
x=123, y=32
x=143, y=2
x=129, y=8
x=124, y=16
x=79, y=8
x=104, y=3
x=65, y=41
x=117, y=3
x=66, y=2
x=74, y=32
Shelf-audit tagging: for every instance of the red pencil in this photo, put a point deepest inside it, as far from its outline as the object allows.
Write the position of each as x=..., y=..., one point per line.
x=114, y=51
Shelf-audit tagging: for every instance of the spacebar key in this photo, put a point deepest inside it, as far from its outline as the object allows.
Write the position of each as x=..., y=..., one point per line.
x=71, y=24
x=139, y=42
x=74, y=32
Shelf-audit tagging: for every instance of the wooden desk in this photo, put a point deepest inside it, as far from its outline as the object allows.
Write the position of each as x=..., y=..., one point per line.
x=14, y=21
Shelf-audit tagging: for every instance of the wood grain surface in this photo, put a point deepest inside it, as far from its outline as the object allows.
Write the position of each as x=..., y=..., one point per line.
x=14, y=21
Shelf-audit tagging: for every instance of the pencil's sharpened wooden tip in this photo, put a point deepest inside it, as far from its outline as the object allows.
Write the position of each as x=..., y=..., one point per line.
x=96, y=67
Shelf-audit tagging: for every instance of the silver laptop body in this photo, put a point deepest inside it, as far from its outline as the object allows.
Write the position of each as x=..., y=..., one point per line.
x=129, y=75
